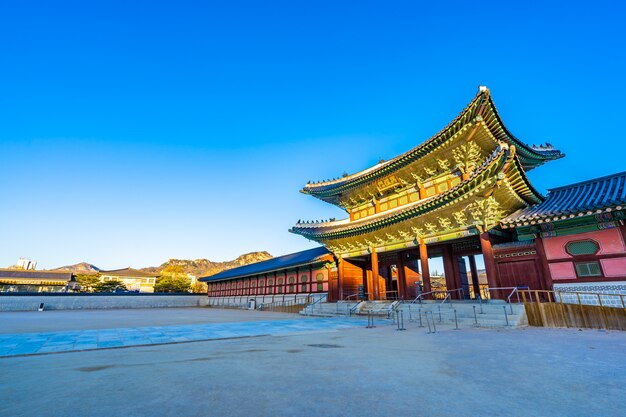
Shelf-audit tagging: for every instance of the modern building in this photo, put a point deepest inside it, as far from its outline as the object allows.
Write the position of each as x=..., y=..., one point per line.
x=20, y=280
x=134, y=279
x=26, y=264
x=462, y=194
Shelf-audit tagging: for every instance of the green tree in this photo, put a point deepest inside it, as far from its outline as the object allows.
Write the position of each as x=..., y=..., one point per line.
x=110, y=286
x=200, y=287
x=172, y=279
x=87, y=282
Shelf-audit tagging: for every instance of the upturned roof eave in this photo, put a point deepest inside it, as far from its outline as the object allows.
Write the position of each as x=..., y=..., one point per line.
x=494, y=166
x=323, y=190
x=530, y=158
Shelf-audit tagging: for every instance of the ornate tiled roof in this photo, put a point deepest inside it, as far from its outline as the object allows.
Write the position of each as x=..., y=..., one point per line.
x=293, y=260
x=594, y=196
x=480, y=108
x=502, y=159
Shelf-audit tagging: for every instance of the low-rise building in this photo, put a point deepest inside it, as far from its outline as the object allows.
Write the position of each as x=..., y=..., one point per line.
x=20, y=280
x=134, y=279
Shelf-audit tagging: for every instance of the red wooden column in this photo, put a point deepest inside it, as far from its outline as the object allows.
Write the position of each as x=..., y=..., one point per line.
x=424, y=267
x=474, y=272
x=545, y=269
x=340, y=277
x=451, y=270
x=375, y=290
x=402, y=287
x=490, y=264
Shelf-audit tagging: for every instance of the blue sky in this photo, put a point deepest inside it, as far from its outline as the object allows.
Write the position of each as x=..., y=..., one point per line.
x=132, y=132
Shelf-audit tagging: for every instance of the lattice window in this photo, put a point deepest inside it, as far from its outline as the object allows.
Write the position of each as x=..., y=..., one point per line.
x=588, y=269
x=582, y=247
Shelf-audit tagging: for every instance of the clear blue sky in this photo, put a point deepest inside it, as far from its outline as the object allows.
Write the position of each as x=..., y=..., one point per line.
x=132, y=132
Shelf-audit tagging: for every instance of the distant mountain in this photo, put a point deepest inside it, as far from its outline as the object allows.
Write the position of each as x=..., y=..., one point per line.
x=204, y=267
x=80, y=268
x=198, y=267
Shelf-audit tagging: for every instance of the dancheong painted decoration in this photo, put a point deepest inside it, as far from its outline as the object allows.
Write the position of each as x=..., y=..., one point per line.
x=460, y=182
x=461, y=194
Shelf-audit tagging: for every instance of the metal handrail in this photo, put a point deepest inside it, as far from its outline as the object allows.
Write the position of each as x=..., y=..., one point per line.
x=285, y=303
x=323, y=297
x=391, y=292
x=356, y=295
x=353, y=309
x=514, y=290
x=445, y=299
x=420, y=297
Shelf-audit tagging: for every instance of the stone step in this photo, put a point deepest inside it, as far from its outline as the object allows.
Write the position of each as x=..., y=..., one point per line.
x=492, y=316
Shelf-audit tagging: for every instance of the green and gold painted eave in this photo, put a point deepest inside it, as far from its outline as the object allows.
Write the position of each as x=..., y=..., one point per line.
x=497, y=189
x=570, y=224
x=481, y=110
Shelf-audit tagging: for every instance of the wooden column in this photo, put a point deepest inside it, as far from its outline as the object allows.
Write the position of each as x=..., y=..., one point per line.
x=375, y=289
x=474, y=271
x=450, y=270
x=402, y=287
x=545, y=269
x=424, y=267
x=340, y=276
x=490, y=264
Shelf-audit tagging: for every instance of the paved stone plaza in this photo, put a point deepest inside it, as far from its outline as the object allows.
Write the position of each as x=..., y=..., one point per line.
x=308, y=367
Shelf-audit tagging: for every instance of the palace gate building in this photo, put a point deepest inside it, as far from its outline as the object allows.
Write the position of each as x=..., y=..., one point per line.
x=462, y=193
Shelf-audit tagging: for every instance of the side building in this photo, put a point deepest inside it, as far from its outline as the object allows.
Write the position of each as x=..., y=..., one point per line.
x=303, y=272
x=17, y=280
x=134, y=279
x=575, y=240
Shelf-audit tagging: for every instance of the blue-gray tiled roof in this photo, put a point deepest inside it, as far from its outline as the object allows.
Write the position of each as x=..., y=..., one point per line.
x=305, y=257
x=587, y=197
x=34, y=274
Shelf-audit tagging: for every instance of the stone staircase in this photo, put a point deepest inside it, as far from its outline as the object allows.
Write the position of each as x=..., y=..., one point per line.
x=377, y=308
x=468, y=313
x=340, y=308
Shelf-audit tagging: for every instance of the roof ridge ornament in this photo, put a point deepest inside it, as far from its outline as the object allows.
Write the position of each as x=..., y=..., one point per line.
x=483, y=89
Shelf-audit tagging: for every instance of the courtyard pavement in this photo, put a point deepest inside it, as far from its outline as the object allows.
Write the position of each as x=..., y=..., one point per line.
x=70, y=341
x=322, y=369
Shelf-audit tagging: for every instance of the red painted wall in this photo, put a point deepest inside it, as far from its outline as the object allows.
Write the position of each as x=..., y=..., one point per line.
x=610, y=241
x=611, y=256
